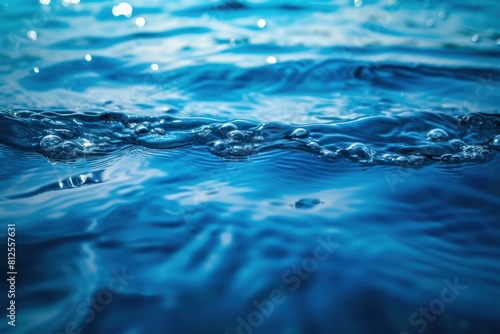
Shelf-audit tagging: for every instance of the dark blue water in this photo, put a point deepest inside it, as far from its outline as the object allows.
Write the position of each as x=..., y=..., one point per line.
x=251, y=166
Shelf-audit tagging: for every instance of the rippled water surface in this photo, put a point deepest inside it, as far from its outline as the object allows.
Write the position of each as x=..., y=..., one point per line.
x=250, y=167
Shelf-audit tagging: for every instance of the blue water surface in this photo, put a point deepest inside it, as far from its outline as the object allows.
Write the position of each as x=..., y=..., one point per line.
x=257, y=166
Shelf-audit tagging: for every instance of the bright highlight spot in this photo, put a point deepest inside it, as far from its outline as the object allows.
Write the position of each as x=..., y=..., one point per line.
x=475, y=38
x=32, y=35
x=70, y=2
x=140, y=21
x=358, y=3
x=36, y=70
x=87, y=143
x=88, y=57
x=154, y=67
x=272, y=60
x=124, y=9
x=261, y=23
x=44, y=2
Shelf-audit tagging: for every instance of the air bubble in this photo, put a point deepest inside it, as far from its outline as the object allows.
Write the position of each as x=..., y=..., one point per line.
x=141, y=129
x=468, y=149
x=457, y=144
x=358, y=151
x=159, y=131
x=227, y=127
x=313, y=146
x=328, y=155
x=49, y=143
x=242, y=150
x=299, y=133
x=69, y=147
x=453, y=158
x=236, y=135
x=437, y=135
x=205, y=135
x=446, y=157
x=220, y=147
x=472, y=121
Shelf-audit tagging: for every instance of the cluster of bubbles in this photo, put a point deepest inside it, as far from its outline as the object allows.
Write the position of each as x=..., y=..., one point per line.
x=238, y=143
x=56, y=148
x=460, y=151
x=465, y=152
x=241, y=139
x=451, y=151
x=145, y=128
x=437, y=135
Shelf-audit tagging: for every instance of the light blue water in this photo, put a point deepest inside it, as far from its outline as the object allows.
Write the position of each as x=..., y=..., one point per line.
x=251, y=167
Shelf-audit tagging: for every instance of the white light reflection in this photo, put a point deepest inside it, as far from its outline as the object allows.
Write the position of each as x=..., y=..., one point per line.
x=66, y=3
x=124, y=9
x=32, y=35
x=140, y=21
x=271, y=60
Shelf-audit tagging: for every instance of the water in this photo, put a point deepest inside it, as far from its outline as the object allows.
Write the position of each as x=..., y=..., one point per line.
x=251, y=167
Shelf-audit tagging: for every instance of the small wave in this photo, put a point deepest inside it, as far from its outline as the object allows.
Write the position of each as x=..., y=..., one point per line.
x=408, y=140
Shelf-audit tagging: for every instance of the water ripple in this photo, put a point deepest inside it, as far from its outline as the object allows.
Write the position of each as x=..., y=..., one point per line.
x=407, y=140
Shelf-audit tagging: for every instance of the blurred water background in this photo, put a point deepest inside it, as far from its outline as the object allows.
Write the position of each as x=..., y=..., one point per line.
x=251, y=166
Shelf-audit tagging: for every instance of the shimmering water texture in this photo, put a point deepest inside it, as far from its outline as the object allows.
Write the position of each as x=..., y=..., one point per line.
x=253, y=166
